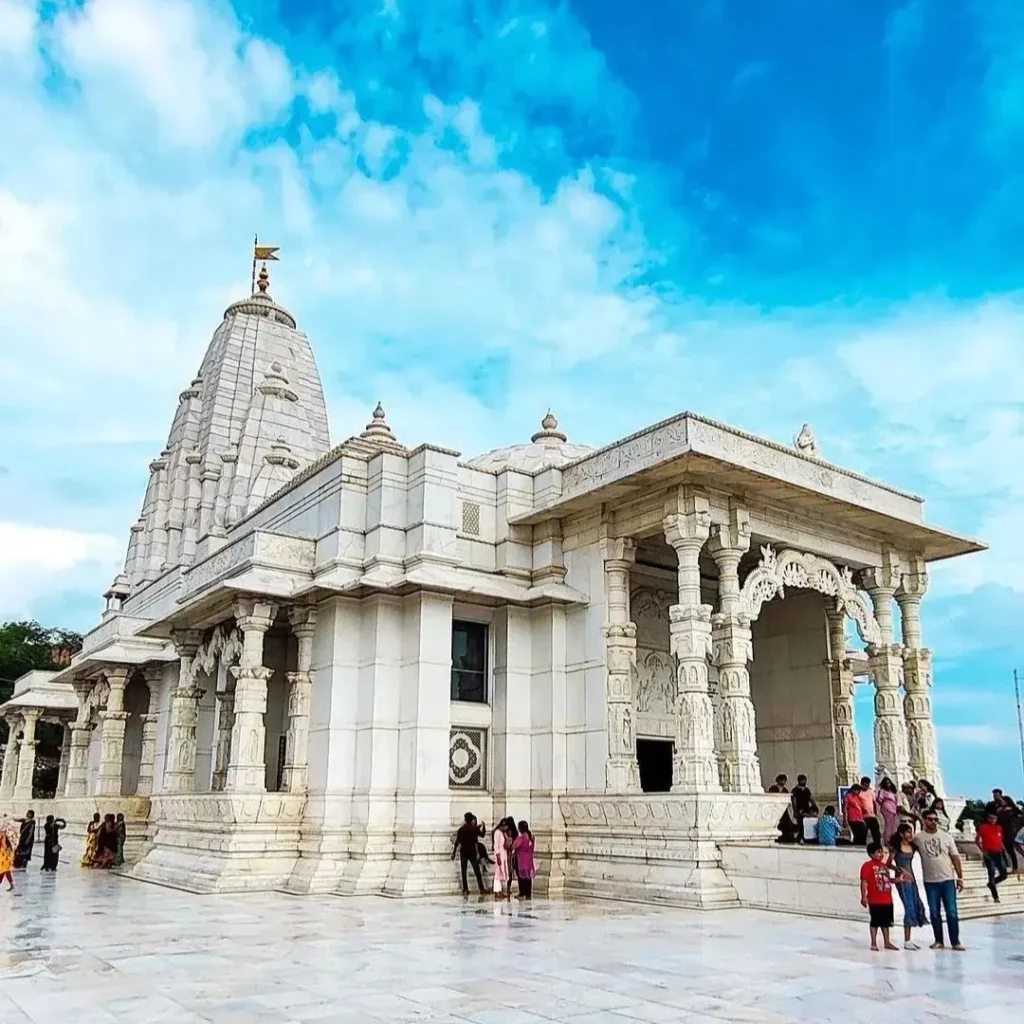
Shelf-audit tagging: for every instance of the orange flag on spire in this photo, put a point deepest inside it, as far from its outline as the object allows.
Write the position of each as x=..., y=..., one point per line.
x=265, y=252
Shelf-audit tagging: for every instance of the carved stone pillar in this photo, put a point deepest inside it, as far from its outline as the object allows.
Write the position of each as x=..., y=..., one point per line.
x=180, y=772
x=225, y=723
x=81, y=731
x=917, y=678
x=733, y=648
x=147, y=762
x=842, y=683
x=11, y=757
x=886, y=661
x=247, y=768
x=621, y=772
x=113, y=718
x=695, y=769
x=294, y=778
x=27, y=755
x=65, y=759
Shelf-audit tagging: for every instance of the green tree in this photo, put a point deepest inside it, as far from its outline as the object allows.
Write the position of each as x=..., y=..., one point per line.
x=25, y=646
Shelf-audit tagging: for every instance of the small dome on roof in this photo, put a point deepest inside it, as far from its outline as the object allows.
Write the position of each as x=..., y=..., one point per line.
x=548, y=447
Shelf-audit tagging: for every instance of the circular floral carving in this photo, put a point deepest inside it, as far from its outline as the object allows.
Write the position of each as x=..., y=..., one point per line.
x=465, y=758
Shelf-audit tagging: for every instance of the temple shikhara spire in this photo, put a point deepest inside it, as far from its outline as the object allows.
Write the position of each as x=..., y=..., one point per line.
x=315, y=659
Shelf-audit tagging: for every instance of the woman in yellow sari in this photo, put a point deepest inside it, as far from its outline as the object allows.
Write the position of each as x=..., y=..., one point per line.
x=91, y=837
x=6, y=860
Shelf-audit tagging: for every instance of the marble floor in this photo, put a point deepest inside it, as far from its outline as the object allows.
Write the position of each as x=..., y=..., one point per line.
x=94, y=948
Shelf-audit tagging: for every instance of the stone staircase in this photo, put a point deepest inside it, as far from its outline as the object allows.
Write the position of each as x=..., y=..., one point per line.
x=976, y=901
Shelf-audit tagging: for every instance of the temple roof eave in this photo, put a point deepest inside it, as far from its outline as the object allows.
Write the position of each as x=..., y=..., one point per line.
x=690, y=449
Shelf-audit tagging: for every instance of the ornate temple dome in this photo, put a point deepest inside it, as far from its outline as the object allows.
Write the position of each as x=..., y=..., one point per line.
x=548, y=447
x=252, y=417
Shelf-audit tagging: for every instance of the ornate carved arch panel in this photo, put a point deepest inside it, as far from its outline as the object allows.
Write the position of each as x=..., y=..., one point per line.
x=805, y=571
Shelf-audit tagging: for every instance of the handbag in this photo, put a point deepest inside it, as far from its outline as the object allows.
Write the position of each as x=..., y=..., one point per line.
x=57, y=848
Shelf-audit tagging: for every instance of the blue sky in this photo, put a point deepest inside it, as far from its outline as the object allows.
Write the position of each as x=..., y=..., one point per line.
x=768, y=213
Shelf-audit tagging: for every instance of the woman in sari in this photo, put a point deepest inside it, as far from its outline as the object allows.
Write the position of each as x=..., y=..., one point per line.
x=91, y=838
x=6, y=859
x=51, y=841
x=122, y=834
x=26, y=840
x=106, y=843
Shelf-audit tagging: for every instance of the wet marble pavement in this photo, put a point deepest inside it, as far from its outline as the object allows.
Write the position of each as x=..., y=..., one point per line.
x=94, y=948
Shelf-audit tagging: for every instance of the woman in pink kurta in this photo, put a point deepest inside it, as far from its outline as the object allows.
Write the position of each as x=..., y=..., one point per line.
x=501, y=862
x=522, y=854
x=888, y=808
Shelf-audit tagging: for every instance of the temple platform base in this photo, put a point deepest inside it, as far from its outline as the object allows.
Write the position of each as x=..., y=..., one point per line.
x=78, y=812
x=222, y=842
x=661, y=848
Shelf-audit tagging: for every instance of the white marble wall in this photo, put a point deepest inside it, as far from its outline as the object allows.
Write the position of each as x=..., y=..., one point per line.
x=790, y=689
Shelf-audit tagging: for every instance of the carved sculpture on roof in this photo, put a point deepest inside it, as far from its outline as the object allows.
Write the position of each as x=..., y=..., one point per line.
x=806, y=443
x=222, y=644
x=805, y=571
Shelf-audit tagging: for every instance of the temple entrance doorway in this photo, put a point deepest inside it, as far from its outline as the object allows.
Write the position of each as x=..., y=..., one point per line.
x=654, y=758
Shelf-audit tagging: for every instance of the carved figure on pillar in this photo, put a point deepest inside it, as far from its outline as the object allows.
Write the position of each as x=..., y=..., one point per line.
x=180, y=774
x=225, y=723
x=886, y=661
x=300, y=691
x=112, y=718
x=695, y=769
x=733, y=648
x=917, y=677
x=622, y=774
x=842, y=683
x=247, y=767
x=77, y=783
x=11, y=758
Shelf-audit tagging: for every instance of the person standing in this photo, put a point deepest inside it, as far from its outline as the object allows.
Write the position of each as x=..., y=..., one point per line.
x=122, y=835
x=1008, y=818
x=6, y=860
x=887, y=804
x=502, y=848
x=92, y=833
x=522, y=855
x=106, y=843
x=867, y=798
x=466, y=846
x=853, y=812
x=51, y=841
x=993, y=851
x=779, y=785
x=876, y=895
x=803, y=805
x=902, y=858
x=943, y=873
x=907, y=804
x=26, y=840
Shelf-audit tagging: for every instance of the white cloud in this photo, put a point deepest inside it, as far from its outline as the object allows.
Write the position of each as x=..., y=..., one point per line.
x=976, y=735
x=189, y=63
x=36, y=560
x=19, y=21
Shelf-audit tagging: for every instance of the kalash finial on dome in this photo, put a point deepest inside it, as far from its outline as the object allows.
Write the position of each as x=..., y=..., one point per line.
x=549, y=431
x=378, y=426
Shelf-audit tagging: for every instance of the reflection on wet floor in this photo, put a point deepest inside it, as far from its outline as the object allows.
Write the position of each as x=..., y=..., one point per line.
x=96, y=948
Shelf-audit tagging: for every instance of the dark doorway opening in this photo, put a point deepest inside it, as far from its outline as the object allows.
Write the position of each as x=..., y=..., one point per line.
x=655, y=760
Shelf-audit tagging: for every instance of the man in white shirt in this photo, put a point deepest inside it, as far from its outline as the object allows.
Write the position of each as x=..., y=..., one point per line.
x=943, y=873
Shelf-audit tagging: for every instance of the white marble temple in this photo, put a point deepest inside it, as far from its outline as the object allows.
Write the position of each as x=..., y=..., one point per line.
x=317, y=658
x=99, y=950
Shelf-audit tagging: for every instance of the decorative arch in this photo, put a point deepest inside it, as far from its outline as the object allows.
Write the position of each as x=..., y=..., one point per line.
x=805, y=571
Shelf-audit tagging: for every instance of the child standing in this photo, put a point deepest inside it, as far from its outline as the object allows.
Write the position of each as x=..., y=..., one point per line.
x=828, y=827
x=876, y=894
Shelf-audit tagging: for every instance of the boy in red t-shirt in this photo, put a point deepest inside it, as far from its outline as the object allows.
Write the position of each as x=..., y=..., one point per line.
x=991, y=842
x=876, y=878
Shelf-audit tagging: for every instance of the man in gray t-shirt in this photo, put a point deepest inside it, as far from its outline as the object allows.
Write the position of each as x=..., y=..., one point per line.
x=943, y=873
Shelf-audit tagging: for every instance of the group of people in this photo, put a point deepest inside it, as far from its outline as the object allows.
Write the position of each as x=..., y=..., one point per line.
x=1000, y=838
x=104, y=842
x=513, y=861
x=18, y=840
